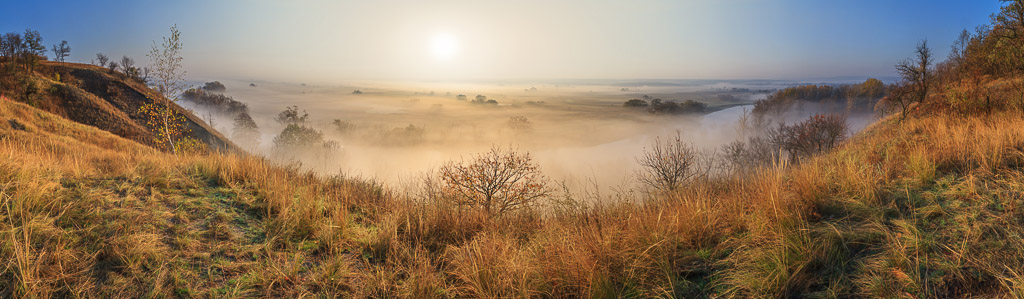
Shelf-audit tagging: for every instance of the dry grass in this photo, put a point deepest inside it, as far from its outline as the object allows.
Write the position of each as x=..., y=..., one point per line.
x=930, y=207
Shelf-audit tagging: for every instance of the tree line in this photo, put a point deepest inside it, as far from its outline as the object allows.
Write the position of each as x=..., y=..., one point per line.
x=657, y=106
x=25, y=50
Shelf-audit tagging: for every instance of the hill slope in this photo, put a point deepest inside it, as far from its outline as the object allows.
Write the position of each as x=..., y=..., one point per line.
x=94, y=96
x=84, y=212
x=930, y=207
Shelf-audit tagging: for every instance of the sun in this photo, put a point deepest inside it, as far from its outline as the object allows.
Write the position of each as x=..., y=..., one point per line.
x=444, y=46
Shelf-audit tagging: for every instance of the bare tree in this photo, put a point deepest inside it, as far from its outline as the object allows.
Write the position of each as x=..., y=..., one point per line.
x=127, y=66
x=915, y=78
x=668, y=165
x=958, y=51
x=112, y=66
x=102, y=59
x=61, y=50
x=917, y=71
x=144, y=75
x=496, y=182
x=820, y=133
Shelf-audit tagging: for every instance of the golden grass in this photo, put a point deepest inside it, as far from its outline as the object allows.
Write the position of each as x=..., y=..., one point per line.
x=930, y=207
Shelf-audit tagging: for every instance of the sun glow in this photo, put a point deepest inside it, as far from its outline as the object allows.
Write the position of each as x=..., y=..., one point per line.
x=444, y=46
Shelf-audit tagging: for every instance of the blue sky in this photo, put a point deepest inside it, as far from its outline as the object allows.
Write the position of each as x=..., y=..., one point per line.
x=329, y=41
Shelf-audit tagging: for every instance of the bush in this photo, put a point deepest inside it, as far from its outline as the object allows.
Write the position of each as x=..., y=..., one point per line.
x=495, y=182
x=820, y=133
x=671, y=164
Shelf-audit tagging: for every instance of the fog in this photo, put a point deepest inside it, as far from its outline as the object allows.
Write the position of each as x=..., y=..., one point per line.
x=579, y=133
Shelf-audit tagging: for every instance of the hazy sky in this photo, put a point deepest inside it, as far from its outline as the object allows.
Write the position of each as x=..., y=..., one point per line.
x=330, y=41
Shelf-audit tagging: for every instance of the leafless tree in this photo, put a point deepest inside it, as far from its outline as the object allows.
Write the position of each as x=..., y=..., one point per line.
x=958, y=51
x=127, y=65
x=60, y=51
x=102, y=59
x=144, y=75
x=669, y=165
x=915, y=77
x=820, y=133
x=496, y=182
x=112, y=66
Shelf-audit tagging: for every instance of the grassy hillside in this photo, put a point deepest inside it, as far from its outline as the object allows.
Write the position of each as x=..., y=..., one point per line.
x=928, y=202
x=95, y=96
x=930, y=207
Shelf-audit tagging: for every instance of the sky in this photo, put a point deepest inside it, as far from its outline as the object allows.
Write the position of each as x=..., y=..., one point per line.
x=327, y=41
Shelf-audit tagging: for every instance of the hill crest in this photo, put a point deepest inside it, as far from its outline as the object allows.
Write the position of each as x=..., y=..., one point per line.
x=110, y=101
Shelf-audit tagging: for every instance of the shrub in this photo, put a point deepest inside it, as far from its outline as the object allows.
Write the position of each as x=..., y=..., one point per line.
x=820, y=133
x=169, y=127
x=671, y=164
x=495, y=182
